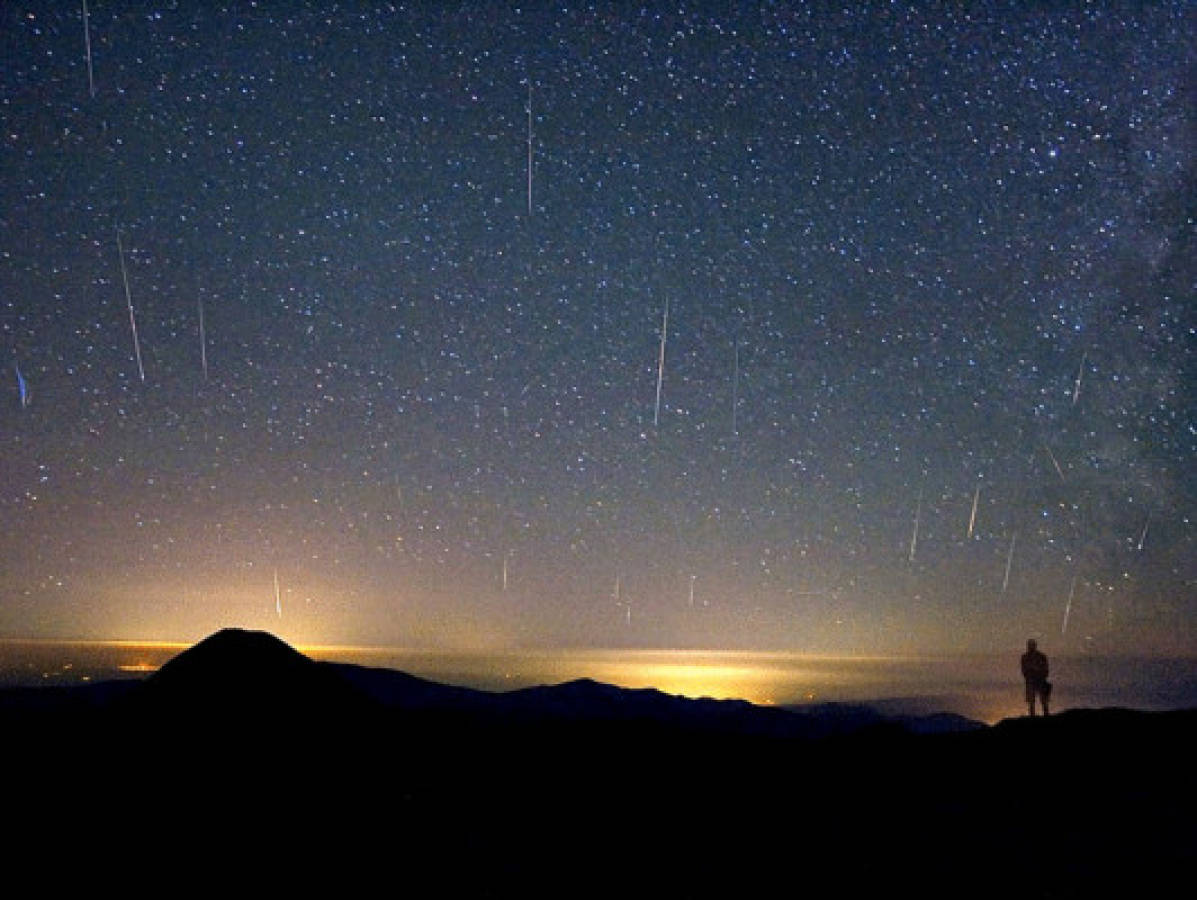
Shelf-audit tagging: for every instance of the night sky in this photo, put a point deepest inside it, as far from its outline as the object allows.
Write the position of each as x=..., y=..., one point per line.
x=905, y=257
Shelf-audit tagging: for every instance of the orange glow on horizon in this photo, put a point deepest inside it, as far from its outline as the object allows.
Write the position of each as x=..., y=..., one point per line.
x=979, y=686
x=138, y=667
x=718, y=682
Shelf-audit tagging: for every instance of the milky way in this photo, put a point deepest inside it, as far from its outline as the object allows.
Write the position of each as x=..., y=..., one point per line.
x=399, y=276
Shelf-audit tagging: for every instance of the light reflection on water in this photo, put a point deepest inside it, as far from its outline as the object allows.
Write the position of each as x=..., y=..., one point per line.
x=982, y=687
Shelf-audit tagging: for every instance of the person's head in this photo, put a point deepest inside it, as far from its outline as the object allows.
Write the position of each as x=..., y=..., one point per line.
x=1031, y=645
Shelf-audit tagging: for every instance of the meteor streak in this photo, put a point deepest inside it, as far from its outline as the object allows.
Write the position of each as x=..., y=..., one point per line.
x=23, y=390
x=91, y=82
x=661, y=363
x=1009, y=560
x=1055, y=462
x=1076, y=388
x=1068, y=605
x=203, y=341
x=278, y=597
x=736, y=385
x=914, y=537
x=972, y=519
x=129, y=300
x=619, y=599
x=529, y=146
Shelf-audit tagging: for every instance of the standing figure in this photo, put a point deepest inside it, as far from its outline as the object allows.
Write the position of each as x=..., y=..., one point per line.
x=1034, y=670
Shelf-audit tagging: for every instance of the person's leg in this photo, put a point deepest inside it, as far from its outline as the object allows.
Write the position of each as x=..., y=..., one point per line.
x=1030, y=699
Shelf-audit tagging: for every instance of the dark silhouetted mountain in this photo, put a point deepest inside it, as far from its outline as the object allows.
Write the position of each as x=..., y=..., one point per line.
x=399, y=691
x=846, y=718
x=1086, y=729
x=247, y=677
x=238, y=674
x=586, y=701
x=585, y=788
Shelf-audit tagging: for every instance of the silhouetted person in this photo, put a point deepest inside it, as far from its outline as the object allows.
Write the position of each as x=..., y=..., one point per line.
x=1034, y=670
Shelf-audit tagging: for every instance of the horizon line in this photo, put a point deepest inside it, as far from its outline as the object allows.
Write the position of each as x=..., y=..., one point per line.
x=775, y=653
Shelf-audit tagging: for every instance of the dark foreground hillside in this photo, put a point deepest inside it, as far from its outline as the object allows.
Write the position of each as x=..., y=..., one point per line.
x=243, y=766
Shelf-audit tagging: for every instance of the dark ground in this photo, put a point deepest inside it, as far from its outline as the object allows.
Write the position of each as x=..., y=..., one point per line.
x=243, y=766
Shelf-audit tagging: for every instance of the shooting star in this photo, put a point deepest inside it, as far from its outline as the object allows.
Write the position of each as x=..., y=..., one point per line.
x=91, y=81
x=504, y=571
x=1143, y=533
x=1055, y=462
x=278, y=597
x=529, y=146
x=661, y=363
x=972, y=519
x=617, y=594
x=692, y=579
x=914, y=537
x=129, y=300
x=736, y=385
x=1076, y=388
x=1009, y=560
x=1068, y=605
x=203, y=341
x=23, y=390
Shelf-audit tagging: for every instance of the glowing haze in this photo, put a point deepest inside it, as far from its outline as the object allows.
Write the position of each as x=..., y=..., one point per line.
x=864, y=330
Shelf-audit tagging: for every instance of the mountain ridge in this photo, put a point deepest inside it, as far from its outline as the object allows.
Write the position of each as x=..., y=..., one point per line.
x=241, y=669
x=579, y=699
x=590, y=786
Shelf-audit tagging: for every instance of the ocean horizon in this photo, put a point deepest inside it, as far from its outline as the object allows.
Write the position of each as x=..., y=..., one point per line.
x=986, y=687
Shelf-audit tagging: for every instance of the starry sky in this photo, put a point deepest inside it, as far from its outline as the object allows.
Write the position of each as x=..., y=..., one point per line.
x=924, y=273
